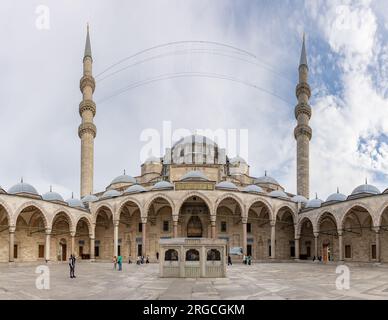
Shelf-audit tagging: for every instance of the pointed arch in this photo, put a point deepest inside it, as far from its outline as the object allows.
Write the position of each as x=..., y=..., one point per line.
x=199, y=195
x=35, y=205
x=156, y=196
x=229, y=195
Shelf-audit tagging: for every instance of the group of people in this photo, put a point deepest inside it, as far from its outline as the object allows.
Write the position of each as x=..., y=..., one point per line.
x=118, y=261
x=140, y=260
x=247, y=260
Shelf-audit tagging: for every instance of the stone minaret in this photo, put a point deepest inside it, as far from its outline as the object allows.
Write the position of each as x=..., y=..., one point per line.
x=303, y=132
x=87, y=130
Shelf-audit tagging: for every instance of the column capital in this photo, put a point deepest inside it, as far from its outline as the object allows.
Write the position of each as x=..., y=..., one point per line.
x=116, y=223
x=244, y=220
x=272, y=223
x=316, y=234
x=213, y=218
x=377, y=229
x=144, y=220
x=91, y=237
x=297, y=237
x=48, y=231
x=175, y=218
x=72, y=233
x=340, y=232
x=11, y=229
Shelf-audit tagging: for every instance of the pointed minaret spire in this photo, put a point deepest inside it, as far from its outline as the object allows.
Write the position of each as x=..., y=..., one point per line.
x=316, y=195
x=337, y=190
x=303, y=132
x=51, y=188
x=124, y=172
x=88, y=47
x=366, y=180
x=87, y=130
x=265, y=173
x=303, y=55
x=21, y=180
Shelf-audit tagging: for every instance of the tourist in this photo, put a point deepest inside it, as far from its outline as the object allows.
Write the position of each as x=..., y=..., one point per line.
x=142, y=260
x=138, y=260
x=114, y=263
x=72, y=266
x=157, y=255
x=147, y=260
x=120, y=262
x=229, y=260
x=129, y=260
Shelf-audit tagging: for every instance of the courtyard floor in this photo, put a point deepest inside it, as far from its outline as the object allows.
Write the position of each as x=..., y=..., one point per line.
x=259, y=281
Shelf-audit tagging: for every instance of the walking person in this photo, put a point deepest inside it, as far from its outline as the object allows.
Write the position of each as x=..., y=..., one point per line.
x=229, y=261
x=72, y=266
x=114, y=263
x=120, y=262
x=147, y=260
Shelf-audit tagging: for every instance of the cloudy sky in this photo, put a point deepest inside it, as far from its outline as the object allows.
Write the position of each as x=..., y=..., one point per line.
x=247, y=64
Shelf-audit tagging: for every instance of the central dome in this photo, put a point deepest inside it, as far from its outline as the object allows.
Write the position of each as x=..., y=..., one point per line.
x=196, y=149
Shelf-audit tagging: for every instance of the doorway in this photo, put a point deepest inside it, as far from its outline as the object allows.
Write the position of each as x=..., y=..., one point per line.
x=139, y=249
x=325, y=252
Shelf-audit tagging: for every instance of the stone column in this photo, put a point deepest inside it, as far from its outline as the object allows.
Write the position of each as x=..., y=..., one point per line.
x=297, y=251
x=116, y=237
x=175, y=226
x=72, y=246
x=92, y=248
x=143, y=236
x=316, y=235
x=340, y=244
x=244, y=225
x=11, y=231
x=273, y=239
x=47, y=245
x=378, y=249
x=213, y=227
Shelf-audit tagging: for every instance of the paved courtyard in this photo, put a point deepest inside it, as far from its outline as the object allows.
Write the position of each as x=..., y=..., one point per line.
x=259, y=281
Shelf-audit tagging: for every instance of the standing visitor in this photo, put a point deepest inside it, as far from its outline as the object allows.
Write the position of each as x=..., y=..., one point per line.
x=147, y=260
x=229, y=260
x=72, y=266
x=120, y=262
x=157, y=255
x=114, y=263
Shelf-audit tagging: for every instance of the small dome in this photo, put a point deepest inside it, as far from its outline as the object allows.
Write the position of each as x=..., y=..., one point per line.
x=52, y=196
x=278, y=194
x=75, y=203
x=265, y=179
x=194, y=175
x=236, y=160
x=299, y=199
x=314, y=203
x=89, y=198
x=253, y=189
x=152, y=160
x=366, y=188
x=136, y=188
x=336, y=197
x=123, y=179
x=110, y=194
x=226, y=185
x=163, y=185
x=22, y=187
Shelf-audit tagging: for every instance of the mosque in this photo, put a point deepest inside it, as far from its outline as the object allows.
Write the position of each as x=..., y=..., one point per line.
x=194, y=190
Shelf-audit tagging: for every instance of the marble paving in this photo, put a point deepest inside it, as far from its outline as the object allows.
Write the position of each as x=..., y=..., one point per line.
x=268, y=281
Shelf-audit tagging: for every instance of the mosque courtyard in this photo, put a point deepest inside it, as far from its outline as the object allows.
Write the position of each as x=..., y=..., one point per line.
x=264, y=281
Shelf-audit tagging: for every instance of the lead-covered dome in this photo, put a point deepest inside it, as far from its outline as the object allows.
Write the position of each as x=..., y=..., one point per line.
x=253, y=189
x=89, y=198
x=137, y=188
x=194, y=175
x=110, y=194
x=265, y=179
x=227, y=185
x=336, y=197
x=52, y=196
x=123, y=179
x=314, y=203
x=75, y=203
x=23, y=187
x=278, y=194
x=299, y=199
x=162, y=185
x=366, y=188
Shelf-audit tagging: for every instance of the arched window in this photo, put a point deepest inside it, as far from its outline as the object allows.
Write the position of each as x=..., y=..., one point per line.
x=192, y=255
x=171, y=255
x=213, y=255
